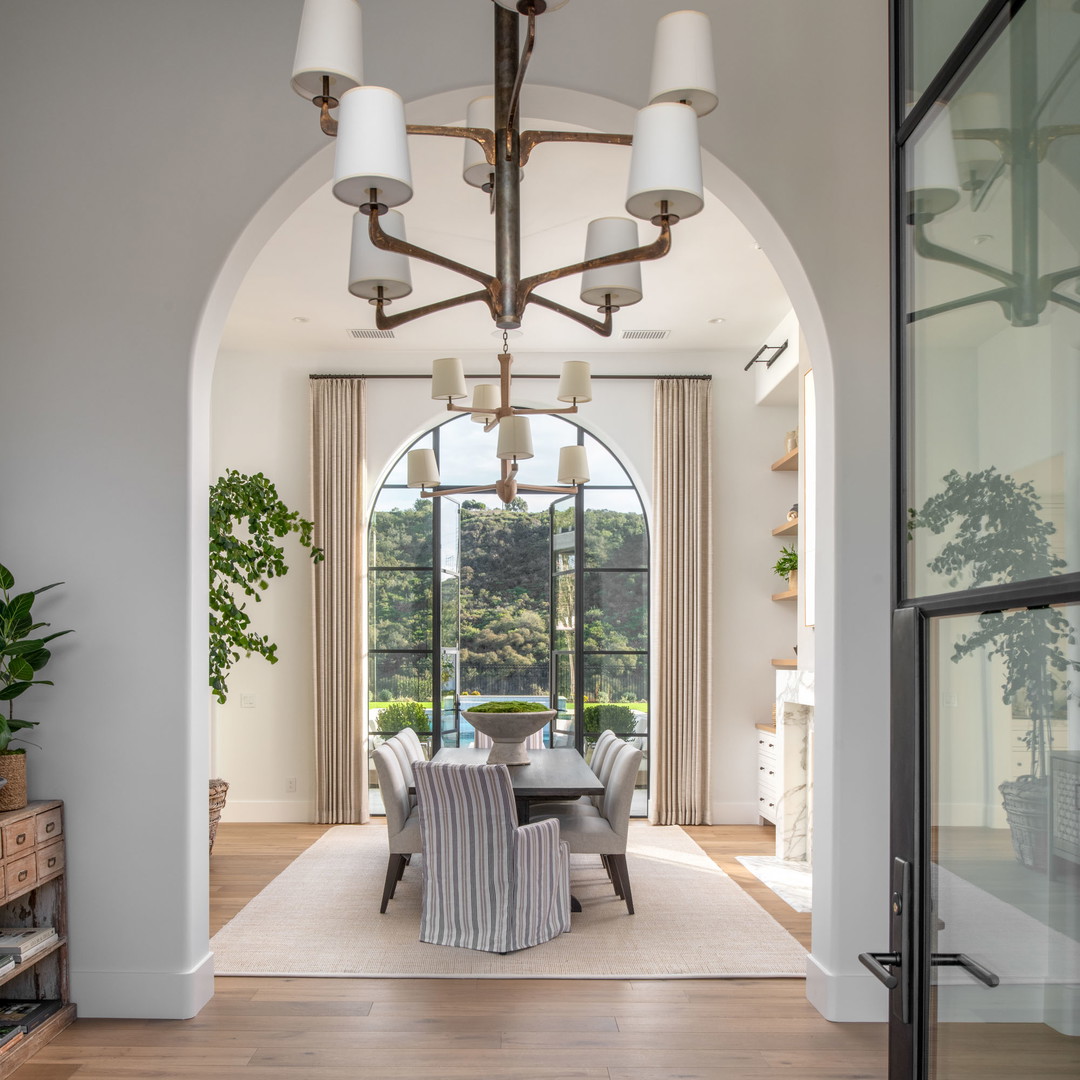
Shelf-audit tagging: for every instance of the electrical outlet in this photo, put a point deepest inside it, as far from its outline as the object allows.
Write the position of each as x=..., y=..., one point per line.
x=290, y=784
x=247, y=701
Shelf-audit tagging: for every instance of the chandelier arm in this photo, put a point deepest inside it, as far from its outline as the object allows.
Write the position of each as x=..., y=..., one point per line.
x=1000, y=137
x=656, y=250
x=515, y=94
x=385, y=242
x=529, y=140
x=1066, y=301
x=484, y=136
x=554, y=490
x=602, y=328
x=1046, y=136
x=1050, y=281
x=389, y=322
x=1004, y=297
x=929, y=250
x=435, y=493
x=524, y=410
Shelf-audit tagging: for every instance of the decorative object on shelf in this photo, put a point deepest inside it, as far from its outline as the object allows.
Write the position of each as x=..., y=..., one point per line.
x=508, y=724
x=218, y=790
x=1029, y=641
x=248, y=564
x=787, y=566
x=791, y=440
x=973, y=137
x=23, y=654
x=793, y=513
x=491, y=406
x=372, y=170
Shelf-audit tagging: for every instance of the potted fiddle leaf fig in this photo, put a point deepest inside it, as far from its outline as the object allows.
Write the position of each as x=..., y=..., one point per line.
x=23, y=654
x=999, y=536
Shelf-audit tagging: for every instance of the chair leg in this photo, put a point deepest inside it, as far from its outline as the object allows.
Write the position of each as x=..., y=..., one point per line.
x=612, y=876
x=395, y=867
x=618, y=863
x=401, y=868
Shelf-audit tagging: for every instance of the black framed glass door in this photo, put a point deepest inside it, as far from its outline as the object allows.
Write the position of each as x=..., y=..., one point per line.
x=984, y=953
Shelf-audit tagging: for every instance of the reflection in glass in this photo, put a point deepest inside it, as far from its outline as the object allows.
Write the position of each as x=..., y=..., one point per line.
x=449, y=535
x=604, y=468
x=992, y=372
x=392, y=676
x=935, y=29
x=564, y=723
x=615, y=534
x=450, y=595
x=616, y=610
x=563, y=540
x=400, y=533
x=564, y=611
x=620, y=679
x=399, y=609
x=1005, y=832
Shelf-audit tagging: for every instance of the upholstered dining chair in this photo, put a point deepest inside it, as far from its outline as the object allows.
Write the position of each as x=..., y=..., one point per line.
x=605, y=833
x=402, y=820
x=412, y=743
x=407, y=752
x=489, y=883
x=600, y=764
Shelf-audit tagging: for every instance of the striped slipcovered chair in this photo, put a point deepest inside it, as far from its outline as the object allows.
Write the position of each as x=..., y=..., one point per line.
x=489, y=883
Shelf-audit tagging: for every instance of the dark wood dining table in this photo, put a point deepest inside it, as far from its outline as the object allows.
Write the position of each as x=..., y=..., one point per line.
x=561, y=773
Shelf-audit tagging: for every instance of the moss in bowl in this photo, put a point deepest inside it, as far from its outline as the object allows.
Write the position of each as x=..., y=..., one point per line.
x=508, y=724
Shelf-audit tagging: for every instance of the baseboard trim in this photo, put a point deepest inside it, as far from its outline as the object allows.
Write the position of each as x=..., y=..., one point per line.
x=735, y=813
x=850, y=998
x=143, y=995
x=279, y=810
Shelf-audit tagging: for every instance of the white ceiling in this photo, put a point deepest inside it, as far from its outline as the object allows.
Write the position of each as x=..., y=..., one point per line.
x=294, y=297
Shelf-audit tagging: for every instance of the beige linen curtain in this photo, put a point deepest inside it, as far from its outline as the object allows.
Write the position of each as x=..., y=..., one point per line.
x=337, y=462
x=682, y=501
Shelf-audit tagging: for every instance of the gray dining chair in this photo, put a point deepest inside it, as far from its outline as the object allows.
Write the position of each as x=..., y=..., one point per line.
x=489, y=883
x=602, y=757
x=407, y=752
x=413, y=744
x=605, y=833
x=402, y=820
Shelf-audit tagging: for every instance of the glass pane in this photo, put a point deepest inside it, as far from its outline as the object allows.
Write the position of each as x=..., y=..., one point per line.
x=604, y=467
x=400, y=533
x=450, y=594
x=396, y=677
x=564, y=690
x=563, y=539
x=449, y=535
x=448, y=709
x=992, y=385
x=1005, y=843
x=615, y=532
x=399, y=474
x=934, y=30
x=467, y=453
x=564, y=586
x=399, y=609
x=616, y=610
x=619, y=680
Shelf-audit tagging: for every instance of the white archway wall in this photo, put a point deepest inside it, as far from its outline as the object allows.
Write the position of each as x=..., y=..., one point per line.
x=103, y=298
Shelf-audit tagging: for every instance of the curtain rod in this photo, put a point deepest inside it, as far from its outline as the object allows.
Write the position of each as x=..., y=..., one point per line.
x=489, y=375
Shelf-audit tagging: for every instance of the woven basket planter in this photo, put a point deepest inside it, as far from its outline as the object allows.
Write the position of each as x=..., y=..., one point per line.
x=13, y=770
x=1026, y=800
x=218, y=790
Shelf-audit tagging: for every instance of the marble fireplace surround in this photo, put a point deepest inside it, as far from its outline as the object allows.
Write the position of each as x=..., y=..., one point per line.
x=795, y=747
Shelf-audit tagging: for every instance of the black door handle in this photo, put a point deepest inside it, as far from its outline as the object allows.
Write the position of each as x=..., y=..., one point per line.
x=972, y=967
x=874, y=962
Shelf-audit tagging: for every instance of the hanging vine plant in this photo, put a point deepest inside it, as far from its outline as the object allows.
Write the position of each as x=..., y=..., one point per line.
x=247, y=518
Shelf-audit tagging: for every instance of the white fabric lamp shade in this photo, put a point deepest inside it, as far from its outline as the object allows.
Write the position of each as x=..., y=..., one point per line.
x=371, y=268
x=515, y=438
x=475, y=168
x=683, y=68
x=575, y=381
x=447, y=379
x=372, y=148
x=665, y=163
x=935, y=181
x=329, y=44
x=485, y=396
x=423, y=469
x=980, y=110
x=573, y=465
x=622, y=283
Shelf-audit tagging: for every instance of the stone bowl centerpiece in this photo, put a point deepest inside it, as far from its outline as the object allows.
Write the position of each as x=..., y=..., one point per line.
x=508, y=724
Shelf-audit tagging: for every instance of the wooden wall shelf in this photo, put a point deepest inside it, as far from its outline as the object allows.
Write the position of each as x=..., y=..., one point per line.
x=788, y=463
x=791, y=594
x=789, y=528
x=786, y=665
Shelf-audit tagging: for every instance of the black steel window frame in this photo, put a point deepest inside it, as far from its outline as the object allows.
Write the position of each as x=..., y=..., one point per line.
x=913, y=615
x=579, y=570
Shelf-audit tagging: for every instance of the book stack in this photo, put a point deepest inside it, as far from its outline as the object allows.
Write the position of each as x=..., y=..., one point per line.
x=27, y=1015
x=10, y=1034
x=23, y=942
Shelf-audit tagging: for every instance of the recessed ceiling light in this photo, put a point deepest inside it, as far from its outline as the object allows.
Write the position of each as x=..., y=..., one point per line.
x=300, y=318
x=757, y=247
x=718, y=320
x=982, y=238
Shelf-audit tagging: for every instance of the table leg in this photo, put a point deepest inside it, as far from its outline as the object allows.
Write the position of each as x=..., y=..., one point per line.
x=522, y=810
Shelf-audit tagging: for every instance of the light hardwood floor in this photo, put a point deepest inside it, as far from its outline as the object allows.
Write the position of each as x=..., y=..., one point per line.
x=408, y=1029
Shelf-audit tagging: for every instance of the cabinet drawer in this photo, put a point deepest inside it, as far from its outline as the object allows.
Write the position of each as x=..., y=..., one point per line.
x=767, y=808
x=49, y=825
x=20, y=874
x=50, y=860
x=19, y=836
x=766, y=746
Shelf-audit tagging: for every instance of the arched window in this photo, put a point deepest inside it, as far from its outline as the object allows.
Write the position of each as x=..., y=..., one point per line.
x=547, y=599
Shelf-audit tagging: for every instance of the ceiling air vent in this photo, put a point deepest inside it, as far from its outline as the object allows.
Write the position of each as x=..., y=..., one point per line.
x=368, y=335
x=645, y=335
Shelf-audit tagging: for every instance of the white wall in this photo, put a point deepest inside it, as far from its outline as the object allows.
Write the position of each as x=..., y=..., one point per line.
x=260, y=423
x=158, y=131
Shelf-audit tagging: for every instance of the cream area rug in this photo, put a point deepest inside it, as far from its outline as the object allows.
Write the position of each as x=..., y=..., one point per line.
x=320, y=917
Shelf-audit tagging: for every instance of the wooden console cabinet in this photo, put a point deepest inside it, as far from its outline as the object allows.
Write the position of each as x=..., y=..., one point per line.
x=32, y=893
